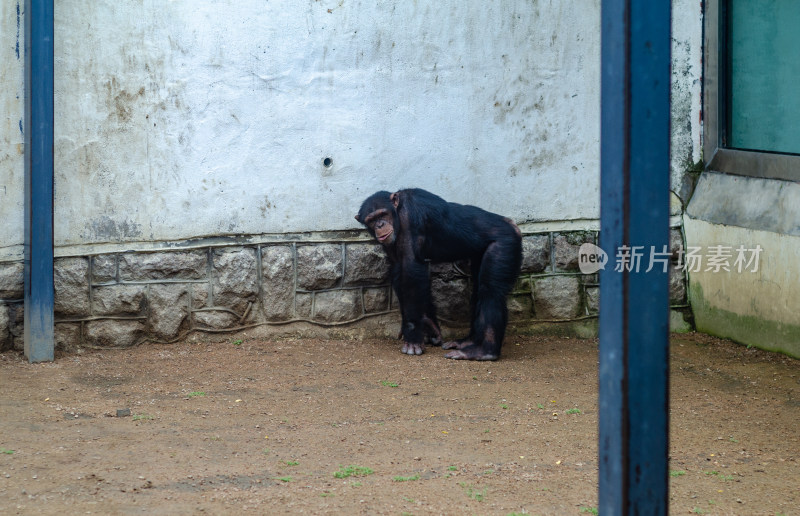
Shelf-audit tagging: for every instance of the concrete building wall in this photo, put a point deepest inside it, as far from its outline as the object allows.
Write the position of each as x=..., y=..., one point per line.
x=198, y=126
x=187, y=119
x=747, y=233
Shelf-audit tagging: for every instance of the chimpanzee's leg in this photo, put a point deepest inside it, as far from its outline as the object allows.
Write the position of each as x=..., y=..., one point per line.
x=498, y=273
x=414, y=286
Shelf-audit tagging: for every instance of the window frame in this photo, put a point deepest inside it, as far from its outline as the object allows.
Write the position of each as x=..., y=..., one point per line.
x=716, y=105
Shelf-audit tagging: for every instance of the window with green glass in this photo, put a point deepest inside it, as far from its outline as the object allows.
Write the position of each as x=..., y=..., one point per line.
x=763, y=54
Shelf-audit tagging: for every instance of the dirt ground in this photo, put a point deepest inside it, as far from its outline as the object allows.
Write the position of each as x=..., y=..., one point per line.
x=251, y=426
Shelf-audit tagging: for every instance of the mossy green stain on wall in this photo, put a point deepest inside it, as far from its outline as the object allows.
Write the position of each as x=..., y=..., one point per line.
x=746, y=329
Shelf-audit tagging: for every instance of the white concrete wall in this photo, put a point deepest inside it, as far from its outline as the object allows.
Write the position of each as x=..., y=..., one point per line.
x=185, y=119
x=12, y=146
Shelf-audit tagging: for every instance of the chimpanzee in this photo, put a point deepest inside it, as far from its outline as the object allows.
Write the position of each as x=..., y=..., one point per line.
x=415, y=226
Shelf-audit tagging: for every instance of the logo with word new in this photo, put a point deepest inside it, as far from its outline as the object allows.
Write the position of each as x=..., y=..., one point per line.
x=591, y=258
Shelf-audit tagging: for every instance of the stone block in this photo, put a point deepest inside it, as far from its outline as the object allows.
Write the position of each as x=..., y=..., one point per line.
x=304, y=305
x=337, y=306
x=678, y=323
x=118, y=300
x=277, y=287
x=16, y=320
x=535, y=253
x=169, y=308
x=319, y=266
x=677, y=285
x=566, y=246
x=520, y=307
x=71, y=283
x=366, y=265
x=200, y=295
x=12, y=280
x=104, y=269
x=450, y=271
x=215, y=319
x=187, y=265
x=676, y=243
x=451, y=299
x=557, y=297
x=5, y=329
x=376, y=299
x=522, y=286
x=592, y=299
x=114, y=333
x=235, y=283
x=67, y=336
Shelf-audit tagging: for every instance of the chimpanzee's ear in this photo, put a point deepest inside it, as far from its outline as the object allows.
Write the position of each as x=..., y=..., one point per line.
x=395, y=198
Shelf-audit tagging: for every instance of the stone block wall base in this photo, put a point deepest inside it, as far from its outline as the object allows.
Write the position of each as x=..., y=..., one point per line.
x=338, y=288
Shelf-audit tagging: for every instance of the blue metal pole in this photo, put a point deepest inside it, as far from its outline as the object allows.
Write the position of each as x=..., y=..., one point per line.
x=39, y=296
x=634, y=308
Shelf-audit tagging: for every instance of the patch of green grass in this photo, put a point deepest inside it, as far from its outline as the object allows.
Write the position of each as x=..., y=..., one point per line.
x=326, y=495
x=478, y=496
x=389, y=384
x=352, y=471
x=291, y=462
x=237, y=342
x=475, y=495
x=676, y=473
x=141, y=417
x=406, y=479
x=452, y=468
x=265, y=451
x=719, y=475
x=590, y=510
x=356, y=484
x=409, y=500
x=539, y=406
x=503, y=406
x=6, y=451
x=698, y=510
x=284, y=479
x=195, y=394
x=573, y=411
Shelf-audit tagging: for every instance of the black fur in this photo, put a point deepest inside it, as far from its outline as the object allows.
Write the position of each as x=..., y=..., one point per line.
x=428, y=228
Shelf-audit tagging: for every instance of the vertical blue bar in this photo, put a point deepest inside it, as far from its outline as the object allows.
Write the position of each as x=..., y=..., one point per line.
x=614, y=166
x=634, y=314
x=38, y=128
x=648, y=294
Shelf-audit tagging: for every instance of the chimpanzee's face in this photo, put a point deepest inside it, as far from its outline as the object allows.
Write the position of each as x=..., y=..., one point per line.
x=377, y=213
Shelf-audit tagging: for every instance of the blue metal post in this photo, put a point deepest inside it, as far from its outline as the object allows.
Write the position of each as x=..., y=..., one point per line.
x=634, y=306
x=39, y=180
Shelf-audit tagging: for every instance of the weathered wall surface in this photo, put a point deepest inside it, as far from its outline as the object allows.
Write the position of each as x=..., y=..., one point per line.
x=12, y=111
x=200, y=130
x=184, y=119
x=748, y=295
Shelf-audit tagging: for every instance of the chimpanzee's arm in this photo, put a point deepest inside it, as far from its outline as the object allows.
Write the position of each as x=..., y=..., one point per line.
x=413, y=290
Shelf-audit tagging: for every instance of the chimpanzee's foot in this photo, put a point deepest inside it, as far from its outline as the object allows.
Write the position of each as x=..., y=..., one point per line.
x=458, y=344
x=433, y=335
x=470, y=353
x=412, y=349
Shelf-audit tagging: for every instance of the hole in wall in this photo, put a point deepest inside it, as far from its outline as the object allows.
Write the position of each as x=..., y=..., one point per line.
x=327, y=162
